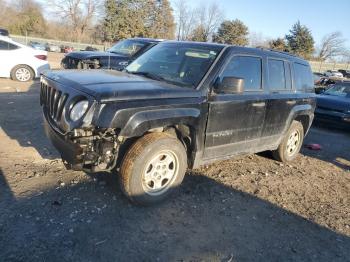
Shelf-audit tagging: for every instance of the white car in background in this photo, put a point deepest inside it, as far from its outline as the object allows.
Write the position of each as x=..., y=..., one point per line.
x=333, y=73
x=20, y=62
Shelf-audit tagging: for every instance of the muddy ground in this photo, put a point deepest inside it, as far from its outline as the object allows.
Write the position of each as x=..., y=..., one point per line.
x=250, y=208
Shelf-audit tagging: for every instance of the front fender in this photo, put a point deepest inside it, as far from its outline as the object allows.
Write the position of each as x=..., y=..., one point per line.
x=143, y=121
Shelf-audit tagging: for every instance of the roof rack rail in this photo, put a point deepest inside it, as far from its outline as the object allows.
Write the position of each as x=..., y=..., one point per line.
x=278, y=51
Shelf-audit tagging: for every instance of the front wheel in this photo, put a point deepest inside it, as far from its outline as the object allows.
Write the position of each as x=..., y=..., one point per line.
x=290, y=146
x=153, y=168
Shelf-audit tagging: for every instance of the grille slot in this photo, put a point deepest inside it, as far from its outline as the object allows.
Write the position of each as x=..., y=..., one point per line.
x=53, y=101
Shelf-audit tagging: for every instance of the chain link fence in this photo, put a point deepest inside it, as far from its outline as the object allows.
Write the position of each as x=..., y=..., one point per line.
x=77, y=46
x=321, y=67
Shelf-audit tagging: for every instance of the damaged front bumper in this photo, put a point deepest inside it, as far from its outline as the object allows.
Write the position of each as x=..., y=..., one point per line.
x=90, y=151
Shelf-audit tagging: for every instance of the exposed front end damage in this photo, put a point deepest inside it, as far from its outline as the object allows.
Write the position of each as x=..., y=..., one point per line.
x=75, y=63
x=94, y=62
x=90, y=150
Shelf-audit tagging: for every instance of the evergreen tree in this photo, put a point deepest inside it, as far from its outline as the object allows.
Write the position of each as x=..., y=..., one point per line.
x=162, y=25
x=278, y=44
x=300, y=41
x=138, y=18
x=109, y=23
x=233, y=32
x=199, y=34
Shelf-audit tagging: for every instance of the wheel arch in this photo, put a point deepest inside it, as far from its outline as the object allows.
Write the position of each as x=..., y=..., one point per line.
x=303, y=114
x=182, y=124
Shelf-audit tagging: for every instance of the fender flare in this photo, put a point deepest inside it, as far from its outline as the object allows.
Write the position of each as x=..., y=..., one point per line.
x=300, y=110
x=143, y=121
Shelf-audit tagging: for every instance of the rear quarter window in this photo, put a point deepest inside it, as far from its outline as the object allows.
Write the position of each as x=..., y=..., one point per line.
x=303, y=78
x=7, y=46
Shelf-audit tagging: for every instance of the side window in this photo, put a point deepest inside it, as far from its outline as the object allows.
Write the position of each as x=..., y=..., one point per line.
x=303, y=77
x=246, y=67
x=7, y=46
x=277, y=79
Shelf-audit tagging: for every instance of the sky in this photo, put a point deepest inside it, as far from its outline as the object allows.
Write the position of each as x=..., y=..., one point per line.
x=273, y=18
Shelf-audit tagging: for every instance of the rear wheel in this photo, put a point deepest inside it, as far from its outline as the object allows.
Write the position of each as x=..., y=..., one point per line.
x=153, y=168
x=291, y=143
x=22, y=73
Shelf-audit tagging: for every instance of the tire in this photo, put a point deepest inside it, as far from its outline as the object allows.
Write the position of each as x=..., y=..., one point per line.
x=290, y=146
x=153, y=168
x=22, y=73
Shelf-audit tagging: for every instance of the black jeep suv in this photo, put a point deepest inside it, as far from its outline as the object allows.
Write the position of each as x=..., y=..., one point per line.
x=178, y=106
x=117, y=57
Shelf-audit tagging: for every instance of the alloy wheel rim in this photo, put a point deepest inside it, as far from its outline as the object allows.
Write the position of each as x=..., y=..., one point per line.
x=293, y=142
x=22, y=74
x=160, y=172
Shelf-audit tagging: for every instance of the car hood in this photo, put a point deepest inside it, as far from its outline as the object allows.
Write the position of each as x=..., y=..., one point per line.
x=94, y=54
x=336, y=103
x=110, y=85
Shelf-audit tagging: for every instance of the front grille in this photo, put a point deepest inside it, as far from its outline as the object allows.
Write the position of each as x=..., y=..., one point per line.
x=53, y=100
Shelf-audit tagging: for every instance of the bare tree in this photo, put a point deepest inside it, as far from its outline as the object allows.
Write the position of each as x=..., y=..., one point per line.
x=258, y=40
x=209, y=19
x=202, y=21
x=185, y=20
x=332, y=45
x=78, y=14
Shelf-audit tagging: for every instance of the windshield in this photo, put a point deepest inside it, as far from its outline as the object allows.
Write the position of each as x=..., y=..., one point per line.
x=127, y=47
x=178, y=63
x=338, y=90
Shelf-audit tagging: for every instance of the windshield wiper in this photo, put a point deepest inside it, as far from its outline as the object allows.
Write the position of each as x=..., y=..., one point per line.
x=159, y=78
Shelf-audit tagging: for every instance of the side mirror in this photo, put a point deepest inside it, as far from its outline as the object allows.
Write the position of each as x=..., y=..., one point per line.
x=230, y=85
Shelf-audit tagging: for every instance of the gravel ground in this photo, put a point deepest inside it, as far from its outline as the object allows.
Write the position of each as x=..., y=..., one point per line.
x=250, y=208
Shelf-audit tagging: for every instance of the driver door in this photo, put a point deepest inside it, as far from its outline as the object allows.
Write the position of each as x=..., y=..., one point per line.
x=235, y=121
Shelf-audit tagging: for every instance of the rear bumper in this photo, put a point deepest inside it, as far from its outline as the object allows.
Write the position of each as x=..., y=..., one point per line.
x=71, y=153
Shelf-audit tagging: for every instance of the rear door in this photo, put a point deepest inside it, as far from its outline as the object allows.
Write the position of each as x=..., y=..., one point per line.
x=281, y=100
x=7, y=51
x=235, y=121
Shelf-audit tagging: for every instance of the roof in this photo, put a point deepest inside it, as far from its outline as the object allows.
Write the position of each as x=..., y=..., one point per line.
x=152, y=40
x=198, y=43
x=257, y=51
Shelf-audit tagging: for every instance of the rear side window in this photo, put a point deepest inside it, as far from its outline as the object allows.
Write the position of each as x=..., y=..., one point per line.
x=277, y=79
x=7, y=46
x=246, y=67
x=303, y=77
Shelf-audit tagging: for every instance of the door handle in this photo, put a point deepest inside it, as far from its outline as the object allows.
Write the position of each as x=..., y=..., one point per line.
x=261, y=104
x=291, y=102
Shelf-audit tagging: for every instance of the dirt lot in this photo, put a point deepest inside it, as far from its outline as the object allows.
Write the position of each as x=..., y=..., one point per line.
x=250, y=208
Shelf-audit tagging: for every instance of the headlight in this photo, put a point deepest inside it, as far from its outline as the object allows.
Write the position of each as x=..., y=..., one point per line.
x=78, y=110
x=123, y=63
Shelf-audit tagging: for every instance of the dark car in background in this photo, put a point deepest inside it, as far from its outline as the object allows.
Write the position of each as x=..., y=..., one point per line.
x=37, y=45
x=345, y=73
x=117, y=57
x=4, y=32
x=52, y=47
x=66, y=49
x=333, y=106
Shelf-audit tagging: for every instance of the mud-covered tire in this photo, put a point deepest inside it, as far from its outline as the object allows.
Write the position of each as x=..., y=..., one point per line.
x=153, y=168
x=290, y=146
x=22, y=73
